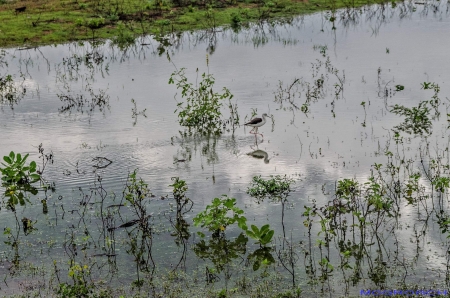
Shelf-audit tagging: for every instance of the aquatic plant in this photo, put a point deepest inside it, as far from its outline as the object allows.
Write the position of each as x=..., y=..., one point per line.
x=417, y=120
x=262, y=236
x=181, y=226
x=140, y=235
x=276, y=189
x=201, y=113
x=135, y=112
x=215, y=217
x=435, y=100
x=81, y=287
x=16, y=172
x=322, y=74
x=17, y=178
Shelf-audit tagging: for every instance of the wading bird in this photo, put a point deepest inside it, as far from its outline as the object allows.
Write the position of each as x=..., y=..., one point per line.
x=257, y=122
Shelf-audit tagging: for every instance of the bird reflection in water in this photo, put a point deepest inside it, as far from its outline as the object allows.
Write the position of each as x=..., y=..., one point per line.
x=260, y=154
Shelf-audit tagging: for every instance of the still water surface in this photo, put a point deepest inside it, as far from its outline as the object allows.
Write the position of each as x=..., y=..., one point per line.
x=342, y=136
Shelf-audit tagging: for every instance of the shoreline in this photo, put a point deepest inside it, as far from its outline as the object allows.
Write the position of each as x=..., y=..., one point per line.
x=57, y=22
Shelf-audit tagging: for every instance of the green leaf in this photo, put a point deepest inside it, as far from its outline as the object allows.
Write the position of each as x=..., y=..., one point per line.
x=24, y=159
x=251, y=234
x=35, y=177
x=255, y=230
x=21, y=200
x=264, y=228
x=242, y=223
x=256, y=265
x=12, y=155
x=268, y=237
x=7, y=159
x=229, y=203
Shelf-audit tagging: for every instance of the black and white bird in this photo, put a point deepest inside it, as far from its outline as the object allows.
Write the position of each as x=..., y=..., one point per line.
x=257, y=122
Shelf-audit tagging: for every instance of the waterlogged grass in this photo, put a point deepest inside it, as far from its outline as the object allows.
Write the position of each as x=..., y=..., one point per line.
x=54, y=21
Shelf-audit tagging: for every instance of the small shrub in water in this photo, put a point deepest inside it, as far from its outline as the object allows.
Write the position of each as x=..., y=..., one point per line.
x=216, y=217
x=276, y=188
x=15, y=171
x=202, y=111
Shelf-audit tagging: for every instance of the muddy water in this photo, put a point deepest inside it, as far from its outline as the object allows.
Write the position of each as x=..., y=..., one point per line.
x=342, y=135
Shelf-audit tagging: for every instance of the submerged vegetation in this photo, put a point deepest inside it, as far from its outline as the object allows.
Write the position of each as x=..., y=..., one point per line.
x=343, y=235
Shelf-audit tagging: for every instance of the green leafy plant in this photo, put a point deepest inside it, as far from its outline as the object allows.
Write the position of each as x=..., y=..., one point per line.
x=136, y=190
x=417, y=120
x=444, y=222
x=435, y=100
x=216, y=217
x=202, y=110
x=183, y=205
x=263, y=235
x=179, y=189
x=277, y=188
x=15, y=172
x=81, y=287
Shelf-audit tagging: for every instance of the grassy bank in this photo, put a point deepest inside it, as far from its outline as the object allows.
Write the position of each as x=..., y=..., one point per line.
x=37, y=22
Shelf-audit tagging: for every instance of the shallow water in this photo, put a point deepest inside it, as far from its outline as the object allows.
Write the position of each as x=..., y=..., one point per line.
x=377, y=49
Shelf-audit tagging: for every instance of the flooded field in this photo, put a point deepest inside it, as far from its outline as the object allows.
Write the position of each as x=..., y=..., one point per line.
x=132, y=145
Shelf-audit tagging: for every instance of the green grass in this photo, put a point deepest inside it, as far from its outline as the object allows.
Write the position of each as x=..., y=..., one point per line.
x=55, y=21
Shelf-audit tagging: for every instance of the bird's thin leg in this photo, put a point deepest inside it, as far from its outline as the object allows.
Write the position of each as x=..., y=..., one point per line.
x=259, y=133
x=252, y=130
